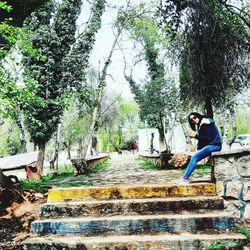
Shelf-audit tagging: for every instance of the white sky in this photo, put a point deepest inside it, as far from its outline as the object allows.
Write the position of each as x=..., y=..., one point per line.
x=104, y=41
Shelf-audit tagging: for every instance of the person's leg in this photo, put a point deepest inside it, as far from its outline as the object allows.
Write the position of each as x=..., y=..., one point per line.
x=203, y=153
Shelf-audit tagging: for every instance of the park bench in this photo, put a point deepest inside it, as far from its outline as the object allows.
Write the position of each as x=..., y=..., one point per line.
x=26, y=161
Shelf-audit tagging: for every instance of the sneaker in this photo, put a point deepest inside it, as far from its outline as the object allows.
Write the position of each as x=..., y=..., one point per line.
x=182, y=181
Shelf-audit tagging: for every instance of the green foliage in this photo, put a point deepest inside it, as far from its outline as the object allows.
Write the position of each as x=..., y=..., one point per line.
x=45, y=182
x=159, y=95
x=224, y=245
x=245, y=231
x=98, y=167
x=42, y=122
x=4, y=6
x=60, y=179
x=243, y=123
x=12, y=95
x=66, y=59
x=75, y=123
x=10, y=139
x=202, y=170
x=13, y=142
x=77, y=61
x=20, y=10
x=118, y=126
x=214, y=49
x=147, y=164
x=184, y=77
x=103, y=141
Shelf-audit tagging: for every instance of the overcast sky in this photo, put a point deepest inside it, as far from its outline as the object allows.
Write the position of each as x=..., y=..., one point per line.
x=104, y=41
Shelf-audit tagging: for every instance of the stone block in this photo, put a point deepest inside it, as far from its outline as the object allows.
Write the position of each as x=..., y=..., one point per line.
x=234, y=189
x=224, y=169
x=220, y=189
x=131, y=192
x=231, y=159
x=243, y=166
x=233, y=207
x=246, y=191
x=131, y=225
x=246, y=215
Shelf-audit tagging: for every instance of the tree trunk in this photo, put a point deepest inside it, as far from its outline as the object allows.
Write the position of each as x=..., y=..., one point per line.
x=209, y=108
x=101, y=87
x=80, y=149
x=40, y=157
x=233, y=117
x=56, y=149
x=162, y=132
x=23, y=140
x=162, y=144
x=68, y=147
x=225, y=128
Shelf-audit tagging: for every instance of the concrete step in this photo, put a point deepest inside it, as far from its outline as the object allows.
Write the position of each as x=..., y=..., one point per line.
x=137, y=224
x=164, y=241
x=131, y=192
x=129, y=206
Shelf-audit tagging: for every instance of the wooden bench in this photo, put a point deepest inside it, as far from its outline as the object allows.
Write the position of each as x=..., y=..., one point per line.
x=25, y=161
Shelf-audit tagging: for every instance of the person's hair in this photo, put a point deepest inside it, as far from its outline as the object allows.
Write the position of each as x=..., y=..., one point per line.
x=193, y=126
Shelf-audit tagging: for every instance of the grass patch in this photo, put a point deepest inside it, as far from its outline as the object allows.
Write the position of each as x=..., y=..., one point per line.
x=224, y=245
x=84, y=181
x=98, y=167
x=202, y=170
x=245, y=231
x=57, y=179
x=44, y=184
x=147, y=164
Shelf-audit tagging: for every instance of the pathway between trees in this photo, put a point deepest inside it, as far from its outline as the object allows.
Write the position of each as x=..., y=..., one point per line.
x=126, y=169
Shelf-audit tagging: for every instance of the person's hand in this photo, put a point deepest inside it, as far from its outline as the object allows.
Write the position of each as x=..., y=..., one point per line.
x=191, y=134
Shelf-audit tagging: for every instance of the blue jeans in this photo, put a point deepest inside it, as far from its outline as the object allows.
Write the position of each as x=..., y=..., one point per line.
x=203, y=153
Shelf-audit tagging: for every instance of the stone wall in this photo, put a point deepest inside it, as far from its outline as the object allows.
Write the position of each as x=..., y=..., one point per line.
x=231, y=172
x=152, y=158
x=82, y=166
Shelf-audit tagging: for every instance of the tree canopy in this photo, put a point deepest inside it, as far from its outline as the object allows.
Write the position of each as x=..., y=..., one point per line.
x=63, y=64
x=215, y=46
x=159, y=90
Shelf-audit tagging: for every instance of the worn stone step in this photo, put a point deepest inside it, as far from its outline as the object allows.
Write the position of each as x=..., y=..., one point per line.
x=165, y=241
x=129, y=206
x=131, y=192
x=128, y=225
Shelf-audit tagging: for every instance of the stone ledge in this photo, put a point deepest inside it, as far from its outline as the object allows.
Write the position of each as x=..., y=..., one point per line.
x=82, y=166
x=148, y=155
x=231, y=152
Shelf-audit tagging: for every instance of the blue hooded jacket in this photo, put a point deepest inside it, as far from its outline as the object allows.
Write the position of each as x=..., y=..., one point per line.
x=208, y=134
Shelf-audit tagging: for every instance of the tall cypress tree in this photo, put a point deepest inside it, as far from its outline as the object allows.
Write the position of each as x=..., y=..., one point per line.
x=55, y=38
x=158, y=96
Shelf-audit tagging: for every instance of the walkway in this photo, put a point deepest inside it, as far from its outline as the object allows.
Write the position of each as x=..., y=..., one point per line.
x=126, y=169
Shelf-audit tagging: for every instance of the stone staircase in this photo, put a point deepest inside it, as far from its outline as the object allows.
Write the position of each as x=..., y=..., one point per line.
x=155, y=217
